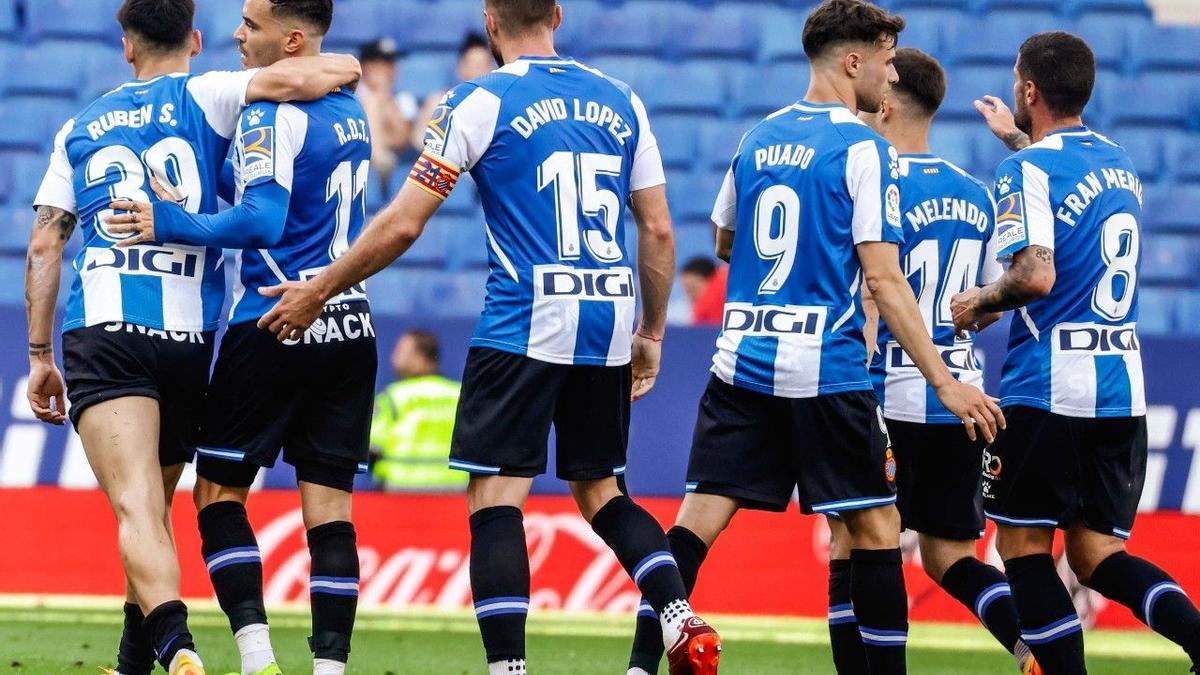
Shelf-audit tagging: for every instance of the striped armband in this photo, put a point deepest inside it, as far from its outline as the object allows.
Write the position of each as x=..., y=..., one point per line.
x=433, y=175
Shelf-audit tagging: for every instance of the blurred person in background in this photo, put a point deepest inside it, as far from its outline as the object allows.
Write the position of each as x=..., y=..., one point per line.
x=704, y=281
x=414, y=420
x=390, y=113
x=474, y=60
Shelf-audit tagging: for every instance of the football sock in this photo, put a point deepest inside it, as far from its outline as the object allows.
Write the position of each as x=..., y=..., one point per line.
x=880, y=607
x=507, y=667
x=1049, y=624
x=135, y=655
x=168, y=630
x=234, y=564
x=984, y=590
x=328, y=667
x=500, y=583
x=689, y=552
x=1153, y=596
x=641, y=547
x=332, y=589
x=849, y=655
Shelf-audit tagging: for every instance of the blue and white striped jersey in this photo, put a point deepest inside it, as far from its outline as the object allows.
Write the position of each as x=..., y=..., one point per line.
x=808, y=184
x=555, y=148
x=318, y=152
x=1075, y=352
x=179, y=126
x=949, y=227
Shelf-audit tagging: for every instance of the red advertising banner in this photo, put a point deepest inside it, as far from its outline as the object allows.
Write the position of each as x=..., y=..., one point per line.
x=414, y=553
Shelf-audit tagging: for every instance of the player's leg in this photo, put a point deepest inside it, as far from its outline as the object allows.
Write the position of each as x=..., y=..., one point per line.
x=500, y=433
x=1029, y=489
x=334, y=577
x=701, y=518
x=135, y=652
x=938, y=494
x=849, y=468
x=849, y=655
x=591, y=424
x=120, y=439
x=1113, y=470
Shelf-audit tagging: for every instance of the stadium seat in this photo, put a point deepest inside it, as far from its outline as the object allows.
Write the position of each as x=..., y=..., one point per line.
x=1145, y=148
x=466, y=242
x=955, y=142
x=692, y=196
x=1175, y=209
x=677, y=140
x=1156, y=311
x=29, y=123
x=719, y=140
x=1019, y=7
x=684, y=89
x=965, y=85
x=15, y=223
x=1168, y=259
x=630, y=69
x=423, y=74
x=992, y=41
x=12, y=267
x=779, y=36
x=430, y=248
x=78, y=19
x=355, y=24
x=452, y=294
x=1183, y=159
x=726, y=32
x=30, y=169
x=8, y=18
x=1129, y=9
x=1159, y=47
x=394, y=291
x=438, y=27
x=766, y=90
x=624, y=31
x=45, y=71
x=932, y=29
x=1161, y=100
x=218, y=19
x=1187, y=313
x=905, y=7
x=694, y=240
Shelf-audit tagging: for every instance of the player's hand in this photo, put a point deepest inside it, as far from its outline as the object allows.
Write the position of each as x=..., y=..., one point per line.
x=46, y=392
x=973, y=407
x=647, y=358
x=299, y=306
x=1002, y=122
x=965, y=312
x=138, y=221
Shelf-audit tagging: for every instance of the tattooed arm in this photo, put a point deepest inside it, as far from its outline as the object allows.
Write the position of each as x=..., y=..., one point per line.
x=1002, y=123
x=51, y=230
x=1030, y=277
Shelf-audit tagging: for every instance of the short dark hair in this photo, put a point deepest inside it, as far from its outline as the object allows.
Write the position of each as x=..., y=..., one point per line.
x=159, y=25
x=1063, y=68
x=316, y=13
x=471, y=41
x=519, y=15
x=426, y=344
x=922, y=79
x=838, y=21
x=700, y=265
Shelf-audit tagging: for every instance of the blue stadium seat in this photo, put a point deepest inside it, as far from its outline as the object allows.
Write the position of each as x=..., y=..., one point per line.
x=1174, y=209
x=908, y=6
x=1145, y=148
x=106, y=69
x=80, y=19
x=1168, y=259
x=30, y=169
x=12, y=267
x=423, y=74
x=1130, y=9
x=694, y=240
x=677, y=140
x=430, y=248
x=218, y=19
x=955, y=142
x=766, y=90
x=624, y=31
x=630, y=69
x=8, y=18
x=466, y=241
x=1108, y=36
x=1167, y=48
x=453, y=294
x=779, y=36
x=933, y=29
x=692, y=197
x=1183, y=158
x=1156, y=311
x=29, y=123
x=718, y=141
x=354, y=24
x=1043, y=8
x=684, y=89
x=992, y=41
x=430, y=26
x=45, y=70
x=966, y=84
x=1187, y=313
x=725, y=32
x=15, y=223
x=394, y=291
x=1160, y=99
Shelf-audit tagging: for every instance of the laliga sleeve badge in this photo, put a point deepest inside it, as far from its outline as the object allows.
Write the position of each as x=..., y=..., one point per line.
x=889, y=466
x=892, y=205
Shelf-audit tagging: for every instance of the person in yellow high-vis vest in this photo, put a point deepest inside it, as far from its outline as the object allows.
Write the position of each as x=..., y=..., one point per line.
x=414, y=421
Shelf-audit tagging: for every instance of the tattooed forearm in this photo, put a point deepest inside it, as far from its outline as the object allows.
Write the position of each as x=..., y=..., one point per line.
x=1016, y=140
x=52, y=227
x=1020, y=284
x=49, y=216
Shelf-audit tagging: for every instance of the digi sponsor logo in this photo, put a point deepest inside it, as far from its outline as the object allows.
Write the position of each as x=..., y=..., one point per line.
x=773, y=320
x=258, y=154
x=145, y=260
x=1096, y=339
x=960, y=357
x=557, y=282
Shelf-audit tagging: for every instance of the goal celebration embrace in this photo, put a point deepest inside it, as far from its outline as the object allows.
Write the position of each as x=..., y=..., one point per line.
x=932, y=371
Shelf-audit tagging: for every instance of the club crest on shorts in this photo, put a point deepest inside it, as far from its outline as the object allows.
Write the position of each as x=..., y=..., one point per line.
x=889, y=466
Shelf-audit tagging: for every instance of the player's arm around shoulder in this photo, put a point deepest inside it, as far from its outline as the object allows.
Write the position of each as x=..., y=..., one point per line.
x=303, y=78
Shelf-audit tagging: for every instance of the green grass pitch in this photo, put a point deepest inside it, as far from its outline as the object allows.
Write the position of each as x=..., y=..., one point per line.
x=76, y=638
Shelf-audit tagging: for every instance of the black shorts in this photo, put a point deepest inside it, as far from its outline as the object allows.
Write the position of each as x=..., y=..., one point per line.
x=115, y=360
x=313, y=399
x=758, y=448
x=938, y=479
x=509, y=401
x=1048, y=470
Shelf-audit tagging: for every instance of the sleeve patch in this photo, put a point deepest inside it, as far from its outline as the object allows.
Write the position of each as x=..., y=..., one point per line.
x=258, y=154
x=434, y=175
x=1010, y=221
x=436, y=131
x=892, y=205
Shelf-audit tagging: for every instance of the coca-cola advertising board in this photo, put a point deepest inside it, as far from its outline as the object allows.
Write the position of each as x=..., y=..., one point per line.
x=414, y=553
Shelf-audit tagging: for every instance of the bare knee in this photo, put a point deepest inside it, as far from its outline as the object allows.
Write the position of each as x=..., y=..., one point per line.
x=706, y=516
x=320, y=504
x=1086, y=549
x=840, y=542
x=939, y=555
x=874, y=529
x=207, y=492
x=591, y=495
x=488, y=491
x=1017, y=542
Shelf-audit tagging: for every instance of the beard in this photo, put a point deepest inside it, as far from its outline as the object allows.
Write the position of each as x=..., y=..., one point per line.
x=1022, y=119
x=494, y=50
